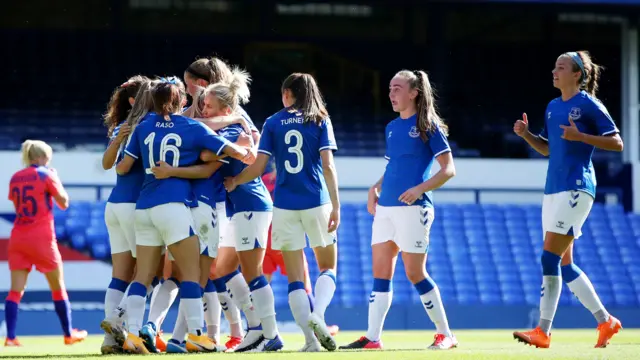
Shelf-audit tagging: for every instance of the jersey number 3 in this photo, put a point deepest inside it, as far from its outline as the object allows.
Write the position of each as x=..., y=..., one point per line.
x=165, y=148
x=295, y=149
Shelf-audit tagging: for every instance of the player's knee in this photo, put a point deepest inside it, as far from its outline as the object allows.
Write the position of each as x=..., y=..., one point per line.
x=550, y=263
x=415, y=275
x=570, y=272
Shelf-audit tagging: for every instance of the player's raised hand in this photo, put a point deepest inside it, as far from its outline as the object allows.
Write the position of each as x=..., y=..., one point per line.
x=230, y=184
x=521, y=126
x=162, y=170
x=372, y=200
x=571, y=132
x=123, y=133
x=334, y=220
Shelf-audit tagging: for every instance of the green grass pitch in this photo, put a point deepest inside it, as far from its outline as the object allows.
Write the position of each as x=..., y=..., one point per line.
x=399, y=345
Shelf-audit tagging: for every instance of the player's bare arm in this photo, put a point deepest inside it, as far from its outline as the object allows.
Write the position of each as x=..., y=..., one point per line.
x=162, y=170
x=124, y=166
x=521, y=128
x=446, y=172
x=249, y=173
x=611, y=142
x=111, y=154
x=331, y=178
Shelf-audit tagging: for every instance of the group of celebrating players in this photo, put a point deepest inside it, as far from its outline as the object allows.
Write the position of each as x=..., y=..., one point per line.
x=189, y=203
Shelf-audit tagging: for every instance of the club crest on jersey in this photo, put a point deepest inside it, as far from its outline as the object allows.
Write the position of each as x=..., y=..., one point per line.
x=414, y=133
x=575, y=113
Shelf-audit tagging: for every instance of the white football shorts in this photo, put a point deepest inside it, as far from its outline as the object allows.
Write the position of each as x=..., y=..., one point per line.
x=163, y=225
x=290, y=226
x=407, y=226
x=120, y=220
x=205, y=219
x=565, y=212
x=250, y=229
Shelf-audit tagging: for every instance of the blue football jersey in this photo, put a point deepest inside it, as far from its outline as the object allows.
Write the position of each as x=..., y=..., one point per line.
x=246, y=116
x=251, y=196
x=220, y=192
x=410, y=160
x=296, y=147
x=570, y=166
x=205, y=190
x=128, y=186
x=178, y=142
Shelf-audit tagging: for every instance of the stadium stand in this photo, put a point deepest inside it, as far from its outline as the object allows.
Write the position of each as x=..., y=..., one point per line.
x=494, y=250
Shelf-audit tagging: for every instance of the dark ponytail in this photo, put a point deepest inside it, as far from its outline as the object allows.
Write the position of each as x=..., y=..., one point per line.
x=118, y=107
x=308, y=98
x=590, y=74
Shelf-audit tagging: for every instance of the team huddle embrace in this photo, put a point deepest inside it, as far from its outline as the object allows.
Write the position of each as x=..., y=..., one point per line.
x=190, y=208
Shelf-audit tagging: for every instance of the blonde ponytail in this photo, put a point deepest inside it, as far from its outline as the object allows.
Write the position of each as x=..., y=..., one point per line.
x=35, y=149
x=233, y=93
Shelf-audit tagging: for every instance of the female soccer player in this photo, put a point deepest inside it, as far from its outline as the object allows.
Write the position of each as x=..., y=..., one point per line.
x=198, y=75
x=33, y=240
x=162, y=216
x=250, y=209
x=120, y=209
x=575, y=124
x=206, y=181
x=402, y=206
x=301, y=139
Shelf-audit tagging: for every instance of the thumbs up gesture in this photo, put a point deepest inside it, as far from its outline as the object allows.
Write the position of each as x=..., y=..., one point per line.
x=521, y=126
x=571, y=132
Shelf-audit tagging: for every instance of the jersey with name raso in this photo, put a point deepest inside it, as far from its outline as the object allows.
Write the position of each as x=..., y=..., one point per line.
x=177, y=141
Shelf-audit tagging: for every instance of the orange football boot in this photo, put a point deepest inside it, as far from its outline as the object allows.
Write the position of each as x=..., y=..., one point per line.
x=161, y=345
x=12, y=342
x=76, y=336
x=535, y=337
x=134, y=345
x=606, y=330
x=232, y=343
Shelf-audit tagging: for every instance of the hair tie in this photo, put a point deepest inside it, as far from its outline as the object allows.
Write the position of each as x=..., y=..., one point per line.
x=578, y=60
x=170, y=80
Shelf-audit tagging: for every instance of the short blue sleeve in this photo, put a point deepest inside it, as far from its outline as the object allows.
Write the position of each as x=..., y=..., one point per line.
x=133, y=146
x=386, y=142
x=603, y=122
x=438, y=143
x=327, y=138
x=543, y=133
x=207, y=139
x=266, y=139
